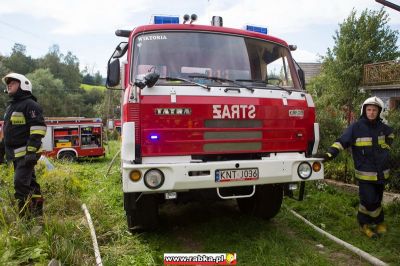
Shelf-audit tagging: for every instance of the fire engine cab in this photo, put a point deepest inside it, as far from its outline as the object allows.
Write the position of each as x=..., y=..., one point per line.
x=70, y=138
x=211, y=112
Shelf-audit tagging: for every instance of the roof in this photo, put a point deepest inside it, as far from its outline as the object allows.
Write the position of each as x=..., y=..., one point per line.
x=311, y=70
x=205, y=28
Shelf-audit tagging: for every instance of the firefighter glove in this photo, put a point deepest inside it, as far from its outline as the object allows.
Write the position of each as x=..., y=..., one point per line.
x=325, y=156
x=30, y=159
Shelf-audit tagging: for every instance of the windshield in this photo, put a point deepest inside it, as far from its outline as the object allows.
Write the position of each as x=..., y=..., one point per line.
x=189, y=55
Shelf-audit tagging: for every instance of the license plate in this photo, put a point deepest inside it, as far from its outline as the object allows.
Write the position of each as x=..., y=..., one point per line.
x=226, y=175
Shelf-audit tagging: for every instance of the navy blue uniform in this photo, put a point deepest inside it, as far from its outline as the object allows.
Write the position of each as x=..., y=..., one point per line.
x=370, y=144
x=24, y=128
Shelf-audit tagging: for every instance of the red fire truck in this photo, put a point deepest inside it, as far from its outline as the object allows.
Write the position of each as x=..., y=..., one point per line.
x=211, y=112
x=70, y=138
x=114, y=124
x=1, y=130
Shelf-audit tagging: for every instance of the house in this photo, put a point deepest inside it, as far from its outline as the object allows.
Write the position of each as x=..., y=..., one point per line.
x=383, y=80
x=310, y=70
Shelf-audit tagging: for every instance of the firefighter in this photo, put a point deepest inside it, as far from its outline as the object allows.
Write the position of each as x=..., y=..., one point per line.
x=24, y=128
x=370, y=140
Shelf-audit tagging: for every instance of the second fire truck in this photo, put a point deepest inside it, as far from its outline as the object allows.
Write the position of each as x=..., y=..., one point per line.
x=70, y=138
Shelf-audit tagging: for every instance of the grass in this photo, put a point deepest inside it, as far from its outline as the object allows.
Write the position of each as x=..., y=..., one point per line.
x=88, y=87
x=196, y=227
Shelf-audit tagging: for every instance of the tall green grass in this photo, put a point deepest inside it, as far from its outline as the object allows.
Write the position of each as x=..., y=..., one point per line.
x=196, y=227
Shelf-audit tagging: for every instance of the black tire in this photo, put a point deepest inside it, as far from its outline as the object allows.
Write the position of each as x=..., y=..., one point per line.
x=265, y=203
x=141, y=215
x=67, y=156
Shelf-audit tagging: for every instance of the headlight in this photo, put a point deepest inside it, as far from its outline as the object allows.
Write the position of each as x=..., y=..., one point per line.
x=153, y=178
x=304, y=170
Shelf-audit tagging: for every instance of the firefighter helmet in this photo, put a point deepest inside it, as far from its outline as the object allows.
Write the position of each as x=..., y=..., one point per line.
x=25, y=84
x=372, y=101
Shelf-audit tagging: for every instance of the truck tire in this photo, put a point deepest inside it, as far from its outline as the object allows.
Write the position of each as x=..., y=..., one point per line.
x=142, y=214
x=265, y=203
x=67, y=156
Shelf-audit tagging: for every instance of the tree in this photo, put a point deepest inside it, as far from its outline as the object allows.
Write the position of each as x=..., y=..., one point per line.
x=359, y=41
x=18, y=61
x=63, y=67
x=49, y=91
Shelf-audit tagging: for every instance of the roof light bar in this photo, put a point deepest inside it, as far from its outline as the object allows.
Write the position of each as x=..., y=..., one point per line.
x=166, y=20
x=259, y=29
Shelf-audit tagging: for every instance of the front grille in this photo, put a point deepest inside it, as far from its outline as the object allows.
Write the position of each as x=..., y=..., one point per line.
x=232, y=146
x=233, y=135
x=232, y=123
x=228, y=140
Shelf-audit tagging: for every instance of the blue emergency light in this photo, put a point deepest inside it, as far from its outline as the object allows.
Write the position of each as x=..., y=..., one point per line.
x=257, y=29
x=166, y=20
x=154, y=137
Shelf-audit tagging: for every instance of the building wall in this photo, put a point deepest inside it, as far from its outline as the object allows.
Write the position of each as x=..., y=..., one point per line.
x=391, y=98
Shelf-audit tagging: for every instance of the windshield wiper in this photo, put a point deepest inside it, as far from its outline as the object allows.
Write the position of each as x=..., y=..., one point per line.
x=266, y=83
x=188, y=81
x=251, y=80
x=222, y=80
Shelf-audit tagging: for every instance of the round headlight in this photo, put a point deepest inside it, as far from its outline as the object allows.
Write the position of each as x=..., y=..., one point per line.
x=304, y=170
x=153, y=178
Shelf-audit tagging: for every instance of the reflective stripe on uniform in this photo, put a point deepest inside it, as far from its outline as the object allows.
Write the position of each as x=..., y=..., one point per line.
x=31, y=149
x=40, y=130
x=337, y=145
x=386, y=173
x=382, y=142
x=17, y=118
x=375, y=213
x=370, y=176
x=34, y=149
x=362, y=142
x=20, y=152
x=391, y=136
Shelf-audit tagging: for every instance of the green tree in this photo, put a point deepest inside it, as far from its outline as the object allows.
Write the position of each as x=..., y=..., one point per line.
x=49, y=91
x=63, y=67
x=359, y=41
x=18, y=61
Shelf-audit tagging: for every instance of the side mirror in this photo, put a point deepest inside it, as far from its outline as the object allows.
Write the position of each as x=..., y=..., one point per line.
x=302, y=78
x=149, y=80
x=113, y=73
x=113, y=66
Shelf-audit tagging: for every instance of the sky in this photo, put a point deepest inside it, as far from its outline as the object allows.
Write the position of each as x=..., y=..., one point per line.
x=86, y=27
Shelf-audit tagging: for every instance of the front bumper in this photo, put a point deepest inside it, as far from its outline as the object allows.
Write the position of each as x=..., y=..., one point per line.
x=281, y=168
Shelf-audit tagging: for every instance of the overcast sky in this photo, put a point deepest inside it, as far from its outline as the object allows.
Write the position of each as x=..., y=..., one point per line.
x=86, y=27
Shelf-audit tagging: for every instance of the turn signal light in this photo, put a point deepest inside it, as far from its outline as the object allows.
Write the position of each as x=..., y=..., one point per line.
x=135, y=175
x=316, y=166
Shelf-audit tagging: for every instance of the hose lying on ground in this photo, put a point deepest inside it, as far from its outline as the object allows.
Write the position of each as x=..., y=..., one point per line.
x=93, y=234
x=361, y=253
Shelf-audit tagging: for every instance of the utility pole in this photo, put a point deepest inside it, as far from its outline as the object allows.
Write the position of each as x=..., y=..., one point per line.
x=389, y=4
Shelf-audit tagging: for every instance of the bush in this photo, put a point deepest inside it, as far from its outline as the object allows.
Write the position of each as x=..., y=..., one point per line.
x=331, y=125
x=393, y=119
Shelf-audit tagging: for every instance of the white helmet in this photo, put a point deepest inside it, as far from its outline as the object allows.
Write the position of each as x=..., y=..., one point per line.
x=372, y=101
x=25, y=85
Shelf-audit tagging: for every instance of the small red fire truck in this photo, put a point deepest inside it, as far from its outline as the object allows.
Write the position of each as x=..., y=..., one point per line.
x=211, y=112
x=114, y=125
x=70, y=138
x=1, y=130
